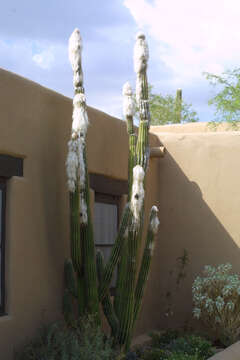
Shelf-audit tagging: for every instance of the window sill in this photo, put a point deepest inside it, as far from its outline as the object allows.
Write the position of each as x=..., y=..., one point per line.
x=5, y=317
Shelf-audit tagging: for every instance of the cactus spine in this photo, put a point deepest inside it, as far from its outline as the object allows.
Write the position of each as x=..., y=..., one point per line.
x=80, y=273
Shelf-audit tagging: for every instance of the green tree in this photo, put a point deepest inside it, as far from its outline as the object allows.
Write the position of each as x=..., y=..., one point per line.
x=227, y=99
x=169, y=109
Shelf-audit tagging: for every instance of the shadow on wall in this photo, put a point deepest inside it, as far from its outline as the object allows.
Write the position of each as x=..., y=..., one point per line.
x=188, y=223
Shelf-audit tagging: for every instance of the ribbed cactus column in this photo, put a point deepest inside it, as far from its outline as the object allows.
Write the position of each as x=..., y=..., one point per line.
x=141, y=56
x=128, y=290
x=146, y=260
x=82, y=242
x=80, y=271
x=129, y=294
x=128, y=112
x=178, y=106
x=106, y=301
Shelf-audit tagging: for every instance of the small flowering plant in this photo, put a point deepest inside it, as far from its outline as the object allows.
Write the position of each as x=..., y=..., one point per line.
x=216, y=298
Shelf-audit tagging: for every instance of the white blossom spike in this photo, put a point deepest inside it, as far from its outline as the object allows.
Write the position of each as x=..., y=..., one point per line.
x=139, y=93
x=81, y=164
x=141, y=53
x=128, y=103
x=75, y=164
x=83, y=210
x=137, y=193
x=72, y=166
x=155, y=220
x=75, y=49
x=151, y=247
x=80, y=117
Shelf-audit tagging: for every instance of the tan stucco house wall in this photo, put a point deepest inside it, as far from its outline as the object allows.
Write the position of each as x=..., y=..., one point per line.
x=35, y=124
x=196, y=186
x=198, y=193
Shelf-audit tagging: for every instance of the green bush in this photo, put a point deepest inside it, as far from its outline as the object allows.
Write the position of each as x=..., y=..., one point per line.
x=156, y=354
x=160, y=340
x=191, y=345
x=216, y=297
x=83, y=341
x=183, y=356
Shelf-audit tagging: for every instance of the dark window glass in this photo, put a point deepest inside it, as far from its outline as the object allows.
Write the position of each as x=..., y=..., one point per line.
x=2, y=245
x=106, y=217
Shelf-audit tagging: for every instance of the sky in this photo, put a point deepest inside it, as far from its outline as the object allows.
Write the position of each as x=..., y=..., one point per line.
x=186, y=38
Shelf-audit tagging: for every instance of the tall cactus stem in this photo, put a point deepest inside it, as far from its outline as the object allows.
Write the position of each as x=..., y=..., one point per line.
x=75, y=232
x=127, y=310
x=82, y=243
x=115, y=254
x=131, y=162
x=128, y=112
x=106, y=301
x=120, y=284
x=178, y=106
x=69, y=277
x=146, y=260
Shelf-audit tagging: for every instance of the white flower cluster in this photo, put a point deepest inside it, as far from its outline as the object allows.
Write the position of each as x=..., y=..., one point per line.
x=75, y=164
x=141, y=53
x=137, y=193
x=141, y=56
x=75, y=50
x=83, y=209
x=128, y=103
x=155, y=220
x=80, y=116
x=216, y=298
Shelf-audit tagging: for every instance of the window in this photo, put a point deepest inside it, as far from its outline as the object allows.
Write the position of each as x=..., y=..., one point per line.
x=2, y=244
x=108, y=196
x=106, y=220
x=9, y=166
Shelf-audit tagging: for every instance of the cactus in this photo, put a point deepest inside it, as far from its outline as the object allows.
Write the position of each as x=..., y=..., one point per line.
x=106, y=300
x=178, y=106
x=82, y=270
x=82, y=242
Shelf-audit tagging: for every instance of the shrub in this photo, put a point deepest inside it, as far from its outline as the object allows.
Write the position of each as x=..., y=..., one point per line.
x=170, y=346
x=183, y=356
x=83, y=341
x=192, y=345
x=216, y=298
x=156, y=354
x=160, y=340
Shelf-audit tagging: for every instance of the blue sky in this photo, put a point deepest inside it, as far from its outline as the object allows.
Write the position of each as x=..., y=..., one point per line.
x=185, y=38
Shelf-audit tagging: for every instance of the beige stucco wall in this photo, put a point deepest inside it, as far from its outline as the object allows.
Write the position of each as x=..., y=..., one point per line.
x=198, y=195
x=36, y=123
x=195, y=186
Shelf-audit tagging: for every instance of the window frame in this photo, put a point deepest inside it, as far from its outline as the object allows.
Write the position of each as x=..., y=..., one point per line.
x=109, y=191
x=3, y=188
x=10, y=165
x=108, y=199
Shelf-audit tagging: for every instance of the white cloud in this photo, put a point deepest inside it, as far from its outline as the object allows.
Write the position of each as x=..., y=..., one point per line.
x=45, y=59
x=191, y=36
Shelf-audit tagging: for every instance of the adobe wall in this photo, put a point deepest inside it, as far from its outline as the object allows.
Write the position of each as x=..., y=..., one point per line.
x=196, y=186
x=35, y=123
x=199, y=199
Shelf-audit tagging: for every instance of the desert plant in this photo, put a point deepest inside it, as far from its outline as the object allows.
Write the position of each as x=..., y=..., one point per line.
x=82, y=341
x=178, y=273
x=172, y=342
x=191, y=345
x=183, y=356
x=162, y=339
x=80, y=271
x=216, y=297
x=156, y=354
